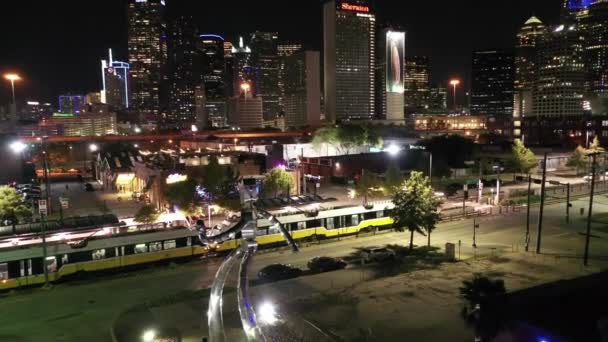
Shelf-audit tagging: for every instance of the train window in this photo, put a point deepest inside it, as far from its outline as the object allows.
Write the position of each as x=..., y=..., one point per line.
x=369, y=216
x=301, y=225
x=329, y=222
x=313, y=224
x=99, y=254
x=354, y=220
x=3, y=271
x=155, y=246
x=348, y=221
x=26, y=267
x=141, y=248
x=170, y=244
x=274, y=229
x=181, y=242
x=380, y=214
x=65, y=259
x=51, y=264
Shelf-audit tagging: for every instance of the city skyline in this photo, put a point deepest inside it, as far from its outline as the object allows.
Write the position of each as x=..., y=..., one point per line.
x=52, y=66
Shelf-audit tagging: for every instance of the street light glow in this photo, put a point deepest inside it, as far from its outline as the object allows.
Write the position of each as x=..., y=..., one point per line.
x=93, y=148
x=12, y=77
x=267, y=314
x=149, y=335
x=393, y=150
x=454, y=82
x=18, y=146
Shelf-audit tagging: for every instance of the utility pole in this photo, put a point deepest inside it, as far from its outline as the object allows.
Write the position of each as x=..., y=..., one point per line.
x=465, y=195
x=45, y=161
x=528, y=213
x=542, y=205
x=44, y=251
x=480, y=183
x=475, y=226
x=586, y=257
x=568, y=205
x=430, y=168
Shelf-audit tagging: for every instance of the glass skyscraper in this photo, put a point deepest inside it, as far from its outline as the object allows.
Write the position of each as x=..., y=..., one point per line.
x=349, y=40
x=492, y=83
x=265, y=62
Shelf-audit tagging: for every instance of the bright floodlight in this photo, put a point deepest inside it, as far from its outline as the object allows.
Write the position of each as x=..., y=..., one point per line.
x=93, y=148
x=137, y=130
x=267, y=314
x=454, y=82
x=193, y=128
x=12, y=77
x=393, y=150
x=245, y=87
x=18, y=146
x=149, y=335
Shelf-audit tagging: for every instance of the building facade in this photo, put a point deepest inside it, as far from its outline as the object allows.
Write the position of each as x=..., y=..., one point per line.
x=349, y=41
x=302, y=89
x=416, y=86
x=115, y=82
x=212, y=54
x=265, y=62
x=284, y=50
x=525, y=70
x=245, y=110
x=596, y=56
x=560, y=78
x=492, y=83
x=72, y=104
x=147, y=54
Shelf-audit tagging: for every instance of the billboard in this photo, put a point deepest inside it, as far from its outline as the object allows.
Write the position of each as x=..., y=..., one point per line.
x=395, y=54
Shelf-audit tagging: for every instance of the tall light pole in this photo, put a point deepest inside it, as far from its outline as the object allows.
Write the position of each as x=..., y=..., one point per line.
x=12, y=78
x=454, y=83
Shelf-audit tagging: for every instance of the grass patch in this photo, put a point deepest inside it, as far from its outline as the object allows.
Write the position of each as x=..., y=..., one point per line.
x=599, y=218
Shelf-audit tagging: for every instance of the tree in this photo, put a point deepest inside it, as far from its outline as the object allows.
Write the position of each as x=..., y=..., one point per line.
x=214, y=177
x=147, y=214
x=278, y=180
x=325, y=136
x=416, y=207
x=367, y=185
x=523, y=158
x=12, y=206
x=345, y=137
x=393, y=179
x=595, y=146
x=182, y=194
x=486, y=302
x=578, y=159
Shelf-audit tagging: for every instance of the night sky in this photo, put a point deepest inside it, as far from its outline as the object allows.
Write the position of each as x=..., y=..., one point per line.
x=57, y=45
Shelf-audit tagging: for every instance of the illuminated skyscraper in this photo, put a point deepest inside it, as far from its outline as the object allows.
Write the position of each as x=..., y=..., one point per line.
x=349, y=41
x=72, y=104
x=492, y=83
x=242, y=71
x=285, y=50
x=393, y=51
x=115, y=81
x=212, y=54
x=416, y=87
x=265, y=61
x=147, y=54
x=559, y=85
x=245, y=110
x=185, y=75
x=525, y=70
x=302, y=98
x=596, y=55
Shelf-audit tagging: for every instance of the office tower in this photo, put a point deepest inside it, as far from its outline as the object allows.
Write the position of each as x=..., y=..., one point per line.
x=184, y=74
x=302, y=80
x=349, y=41
x=245, y=110
x=416, y=86
x=265, y=61
x=559, y=86
x=147, y=54
x=242, y=71
x=115, y=82
x=492, y=83
x=35, y=110
x=212, y=54
x=596, y=55
x=525, y=70
x=229, y=69
x=394, y=58
x=438, y=99
x=284, y=50
x=72, y=104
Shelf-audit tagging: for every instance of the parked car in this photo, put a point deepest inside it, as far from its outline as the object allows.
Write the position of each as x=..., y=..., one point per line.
x=377, y=254
x=89, y=187
x=324, y=264
x=276, y=272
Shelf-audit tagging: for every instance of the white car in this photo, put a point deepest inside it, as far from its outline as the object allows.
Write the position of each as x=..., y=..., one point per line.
x=377, y=254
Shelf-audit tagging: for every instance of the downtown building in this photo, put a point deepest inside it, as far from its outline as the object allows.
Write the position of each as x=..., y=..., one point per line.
x=284, y=50
x=115, y=83
x=492, y=83
x=265, y=63
x=349, y=41
x=390, y=76
x=147, y=55
x=215, y=90
x=302, y=89
x=595, y=26
x=245, y=111
x=525, y=70
x=416, y=86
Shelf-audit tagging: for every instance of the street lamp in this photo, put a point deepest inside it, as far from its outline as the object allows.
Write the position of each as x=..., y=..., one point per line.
x=12, y=78
x=93, y=148
x=18, y=147
x=454, y=83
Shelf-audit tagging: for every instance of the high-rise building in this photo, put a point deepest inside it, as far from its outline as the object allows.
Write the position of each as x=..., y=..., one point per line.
x=245, y=110
x=492, y=83
x=242, y=71
x=265, y=61
x=416, y=87
x=184, y=75
x=559, y=85
x=285, y=50
x=147, y=54
x=596, y=55
x=72, y=104
x=438, y=99
x=525, y=70
x=302, y=86
x=349, y=41
x=212, y=53
x=394, y=84
x=115, y=82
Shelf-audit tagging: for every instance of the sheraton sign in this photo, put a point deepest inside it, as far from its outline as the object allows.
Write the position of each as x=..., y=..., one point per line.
x=356, y=8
